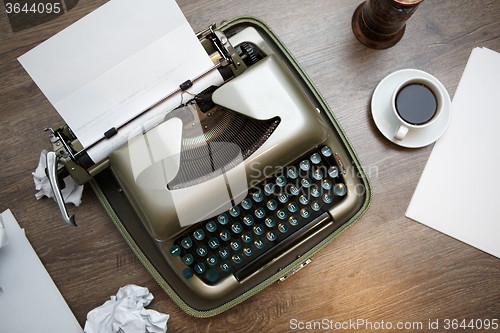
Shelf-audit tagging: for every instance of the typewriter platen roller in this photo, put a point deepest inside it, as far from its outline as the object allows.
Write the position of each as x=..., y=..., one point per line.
x=231, y=189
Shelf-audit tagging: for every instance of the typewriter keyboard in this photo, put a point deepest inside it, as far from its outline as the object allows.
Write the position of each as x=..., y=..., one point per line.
x=276, y=214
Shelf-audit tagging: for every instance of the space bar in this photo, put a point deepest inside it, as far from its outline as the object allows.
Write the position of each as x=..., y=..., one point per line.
x=295, y=238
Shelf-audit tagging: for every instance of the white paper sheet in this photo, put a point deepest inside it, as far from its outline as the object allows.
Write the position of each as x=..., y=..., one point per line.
x=30, y=301
x=458, y=191
x=109, y=66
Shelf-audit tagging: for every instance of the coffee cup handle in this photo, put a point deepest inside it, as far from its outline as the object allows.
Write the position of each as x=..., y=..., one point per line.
x=401, y=133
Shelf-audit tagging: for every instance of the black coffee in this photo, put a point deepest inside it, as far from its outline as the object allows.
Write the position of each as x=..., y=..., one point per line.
x=416, y=104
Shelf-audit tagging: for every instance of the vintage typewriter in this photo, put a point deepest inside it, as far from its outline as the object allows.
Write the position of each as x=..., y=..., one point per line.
x=235, y=189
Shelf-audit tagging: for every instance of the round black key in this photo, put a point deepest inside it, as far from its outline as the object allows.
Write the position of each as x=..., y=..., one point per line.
x=293, y=220
x=315, y=158
x=333, y=171
x=317, y=174
x=223, y=219
x=327, y=198
x=270, y=222
x=246, y=204
x=257, y=196
x=236, y=228
x=237, y=258
x=248, y=251
x=212, y=260
x=202, y=251
x=199, y=234
x=315, y=206
x=292, y=207
x=272, y=204
x=304, y=199
x=175, y=250
x=246, y=237
x=213, y=243
x=305, y=182
x=326, y=184
x=225, y=266
x=305, y=165
x=225, y=235
x=211, y=226
x=199, y=268
x=283, y=197
x=234, y=211
x=259, y=243
x=283, y=227
x=260, y=212
x=258, y=229
x=305, y=213
x=326, y=151
x=271, y=235
x=212, y=275
x=186, y=243
x=294, y=190
x=292, y=172
x=224, y=253
x=340, y=189
x=281, y=181
x=236, y=245
x=269, y=188
x=248, y=220
x=281, y=214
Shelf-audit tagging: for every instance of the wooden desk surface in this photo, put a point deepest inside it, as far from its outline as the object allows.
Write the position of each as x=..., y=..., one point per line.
x=385, y=268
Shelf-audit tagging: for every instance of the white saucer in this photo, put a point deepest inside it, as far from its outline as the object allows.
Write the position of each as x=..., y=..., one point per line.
x=386, y=120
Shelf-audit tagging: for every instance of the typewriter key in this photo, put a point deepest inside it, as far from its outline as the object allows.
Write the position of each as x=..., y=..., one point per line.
x=248, y=220
x=225, y=266
x=202, y=251
x=234, y=211
x=326, y=151
x=333, y=171
x=283, y=228
x=271, y=235
x=224, y=253
x=246, y=204
x=212, y=275
x=199, y=268
x=199, y=234
x=292, y=172
x=292, y=207
x=259, y=243
x=315, y=158
x=188, y=259
x=175, y=250
x=186, y=243
x=270, y=222
x=225, y=235
x=258, y=230
x=340, y=189
x=212, y=260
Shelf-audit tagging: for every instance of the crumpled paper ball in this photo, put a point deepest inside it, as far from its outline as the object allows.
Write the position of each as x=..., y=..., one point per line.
x=125, y=313
x=71, y=192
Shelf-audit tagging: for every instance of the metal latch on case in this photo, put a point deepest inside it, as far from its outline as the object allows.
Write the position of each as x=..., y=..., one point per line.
x=298, y=268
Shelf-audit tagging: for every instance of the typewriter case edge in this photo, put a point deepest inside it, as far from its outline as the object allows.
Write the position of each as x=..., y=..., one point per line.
x=111, y=200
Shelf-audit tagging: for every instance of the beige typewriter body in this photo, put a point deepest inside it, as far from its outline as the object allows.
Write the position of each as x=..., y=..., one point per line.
x=266, y=90
x=159, y=202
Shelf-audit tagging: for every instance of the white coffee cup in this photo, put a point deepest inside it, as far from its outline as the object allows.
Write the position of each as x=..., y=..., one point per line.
x=405, y=125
